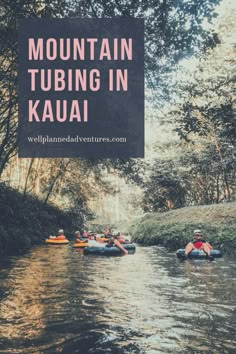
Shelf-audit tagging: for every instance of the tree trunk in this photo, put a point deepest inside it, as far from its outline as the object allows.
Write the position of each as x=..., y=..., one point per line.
x=28, y=175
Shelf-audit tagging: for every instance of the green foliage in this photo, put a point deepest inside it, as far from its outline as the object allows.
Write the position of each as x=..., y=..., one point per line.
x=175, y=228
x=173, y=31
x=205, y=120
x=25, y=221
x=165, y=188
x=99, y=229
x=193, y=178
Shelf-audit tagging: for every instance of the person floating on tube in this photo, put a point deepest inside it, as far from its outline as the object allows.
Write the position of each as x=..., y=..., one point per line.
x=114, y=242
x=198, y=243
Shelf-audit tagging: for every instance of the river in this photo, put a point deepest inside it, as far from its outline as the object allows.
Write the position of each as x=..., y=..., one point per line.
x=55, y=300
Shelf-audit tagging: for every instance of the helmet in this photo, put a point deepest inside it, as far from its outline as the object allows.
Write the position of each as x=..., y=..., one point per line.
x=197, y=232
x=61, y=231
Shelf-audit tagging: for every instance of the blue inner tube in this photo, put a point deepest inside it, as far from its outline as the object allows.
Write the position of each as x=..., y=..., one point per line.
x=109, y=251
x=199, y=254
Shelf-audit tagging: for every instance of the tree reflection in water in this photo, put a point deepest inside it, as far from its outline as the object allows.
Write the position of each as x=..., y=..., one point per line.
x=57, y=300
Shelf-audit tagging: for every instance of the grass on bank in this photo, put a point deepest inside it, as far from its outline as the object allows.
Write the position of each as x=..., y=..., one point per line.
x=174, y=229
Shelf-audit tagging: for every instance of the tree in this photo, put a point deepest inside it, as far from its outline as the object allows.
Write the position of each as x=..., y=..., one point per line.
x=173, y=30
x=165, y=188
x=207, y=114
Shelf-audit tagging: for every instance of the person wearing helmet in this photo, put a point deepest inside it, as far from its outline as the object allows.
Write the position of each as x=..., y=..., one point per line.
x=198, y=243
x=60, y=235
x=79, y=238
x=77, y=234
x=107, y=233
x=91, y=235
x=85, y=233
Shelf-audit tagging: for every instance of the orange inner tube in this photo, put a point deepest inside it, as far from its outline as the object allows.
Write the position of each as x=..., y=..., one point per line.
x=56, y=241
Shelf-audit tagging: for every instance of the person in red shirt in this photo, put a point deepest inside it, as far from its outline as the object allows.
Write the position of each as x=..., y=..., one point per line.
x=198, y=243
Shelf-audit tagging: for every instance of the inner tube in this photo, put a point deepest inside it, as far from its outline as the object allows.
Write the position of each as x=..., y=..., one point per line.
x=109, y=251
x=199, y=254
x=80, y=244
x=52, y=241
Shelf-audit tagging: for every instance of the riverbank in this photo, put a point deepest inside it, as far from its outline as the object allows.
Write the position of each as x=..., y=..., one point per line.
x=25, y=221
x=174, y=229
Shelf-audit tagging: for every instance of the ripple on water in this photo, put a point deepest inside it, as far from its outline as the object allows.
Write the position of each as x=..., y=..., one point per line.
x=57, y=300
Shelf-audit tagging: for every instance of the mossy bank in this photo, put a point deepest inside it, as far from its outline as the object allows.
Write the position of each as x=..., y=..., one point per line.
x=25, y=221
x=175, y=228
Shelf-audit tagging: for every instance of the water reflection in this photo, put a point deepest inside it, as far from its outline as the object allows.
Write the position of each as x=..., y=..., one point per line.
x=57, y=300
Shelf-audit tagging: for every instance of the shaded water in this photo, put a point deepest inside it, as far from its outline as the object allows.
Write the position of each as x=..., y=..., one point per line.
x=55, y=300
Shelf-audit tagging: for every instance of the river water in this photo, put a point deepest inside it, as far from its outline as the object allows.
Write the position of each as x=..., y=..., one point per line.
x=55, y=300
